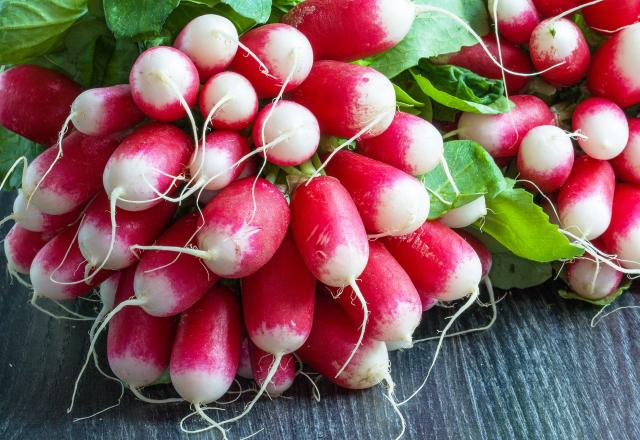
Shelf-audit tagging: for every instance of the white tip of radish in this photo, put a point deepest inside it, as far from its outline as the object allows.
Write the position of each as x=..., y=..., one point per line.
x=400, y=332
x=43, y=286
x=157, y=291
x=227, y=248
x=87, y=109
x=556, y=39
x=241, y=101
x=604, y=126
x=271, y=339
x=403, y=207
x=377, y=100
x=395, y=18
x=487, y=130
x=343, y=266
x=287, y=50
x=424, y=152
x=134, y=175
x=108, y=290
x=628, y=64
x=368, y=368
x=29, y=217
x=465, y=215
x=133, y=371
x=510, y=10
x=45, y=199
x=94, y=243
x=587, y=218
x=546, y=148
x=200, y=386
x=628, y=248
x=591, y=281
x=464, y=279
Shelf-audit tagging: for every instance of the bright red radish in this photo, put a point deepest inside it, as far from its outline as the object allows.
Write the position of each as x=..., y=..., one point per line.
x=289, y=131
x=230, y=99
x=592, y=281
x=622, y=238
x=546, y=157
x=394, y=303
x=330, y=343
x=35, y=101
x=332, y=90
x=244, y=367
x=441, y=264
x=585, y=200
x=627, y=164
x=211, y=41
x=615, y=69
x=410, y=144
x=164, y=83
x=556, y=41
x=551, y=8
x=515, y=19
x=262, y=362
x=142, y=166
x=31, y=218
x=481, y=250
x=610, y=15
x=285, y=52
x=138, y=344
x=58, y=269
x=105, y=110
x=390, y=202
x=604, y=126
x=21, y=247
x=168, y=284
x=465, y=215
x=103, y=250
x=502, y=134
x=74, y=179
x=206, y=351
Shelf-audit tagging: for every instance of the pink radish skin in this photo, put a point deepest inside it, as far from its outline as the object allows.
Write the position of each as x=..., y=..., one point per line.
x=611, y=15
x=285, y=52
x=502, y=134
x=138, y=344
x=330, y=343
x=560, y=41
x=551, y=8
x=222, y=150
x=143, y=162
x=206, y=351
x=31, y=218
x=465, y=215
x=210, y=41
x=486, y=260
x=50, y=263
x=585, y=200
x=278, y=301
x=106, y=110
x=151, y=77
x=394, y=303
x=476, y=59
x=627, y=164
x=298, y=126
x=546, y=157
x=21, y=247
x=261, y=362
x=74, y=179
x=615, y=69
x=516, y=19
x=244, y=367
x=389, y=201
x=622, y=238
x=348, y=99
x=169, y=284
x=236, y=99
x=133, y=227
x=410, y=144
x=580, y=276
x=605, y=126
x=441, y=264
x=35, y=102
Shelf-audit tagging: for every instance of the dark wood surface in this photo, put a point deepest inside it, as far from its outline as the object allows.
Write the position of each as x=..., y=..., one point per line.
x=540, y=373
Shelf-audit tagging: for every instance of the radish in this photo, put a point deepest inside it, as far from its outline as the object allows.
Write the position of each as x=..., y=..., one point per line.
x=622, y=237
x=106, y=247
x=35, y=101
x=546, y=157
x=147, y=162
x=394, y=303
x=286, y=53
x=166, y=285
x=585, y=200
x=410, y=144
x=502, y=134
x=592, y=280
x=20, y=248
x=604, y=126
x=551, y=8
x=441, y=264
x=261, y=363
x=515, y=19
x=244, y=367
x=627, y=164
x=465, y=215
x=615, y=72
x=390, y=202
x=486, y=260
x=31, y=218
x=228, y=101
x=206, y=351
x=610, y=16
x=76, y=175
x=556, y=41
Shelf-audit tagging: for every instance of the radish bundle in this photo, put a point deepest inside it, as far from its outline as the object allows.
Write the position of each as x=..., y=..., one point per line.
x=256, y=195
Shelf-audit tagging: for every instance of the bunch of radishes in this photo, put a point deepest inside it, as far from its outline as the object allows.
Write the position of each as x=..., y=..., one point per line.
x=336, y=266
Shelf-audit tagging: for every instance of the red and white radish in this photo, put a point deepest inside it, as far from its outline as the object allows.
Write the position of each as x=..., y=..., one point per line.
x=591, y=280
x=622, y=237
x=31, y=218
x=610, y=16
x=465, y=215
x=560, y=43
x=627, y=164
x=604, y=126
x=244, y=367
x=35, y=101
x=515, y=19
x=481, y=250
x=281, y=380
x=390, y=202
x=410, y=144
x=228, y=101
x=585, y=200
x=546, y=157
x=20, y=248
x=502, y=134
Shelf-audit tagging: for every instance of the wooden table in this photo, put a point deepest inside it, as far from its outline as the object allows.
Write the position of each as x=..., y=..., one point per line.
x=541, y=372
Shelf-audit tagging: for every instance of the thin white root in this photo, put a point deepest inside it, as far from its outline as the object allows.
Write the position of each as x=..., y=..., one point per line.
x=576, y=9
x=174, y=88
x=447, y=172
x=33, y=302
x=363, y=325
x=16, y=276
x=13, y=167
x=71, y=312
x=205, y=255
x=136, y=392
x=396, y=407
x=601, y=315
